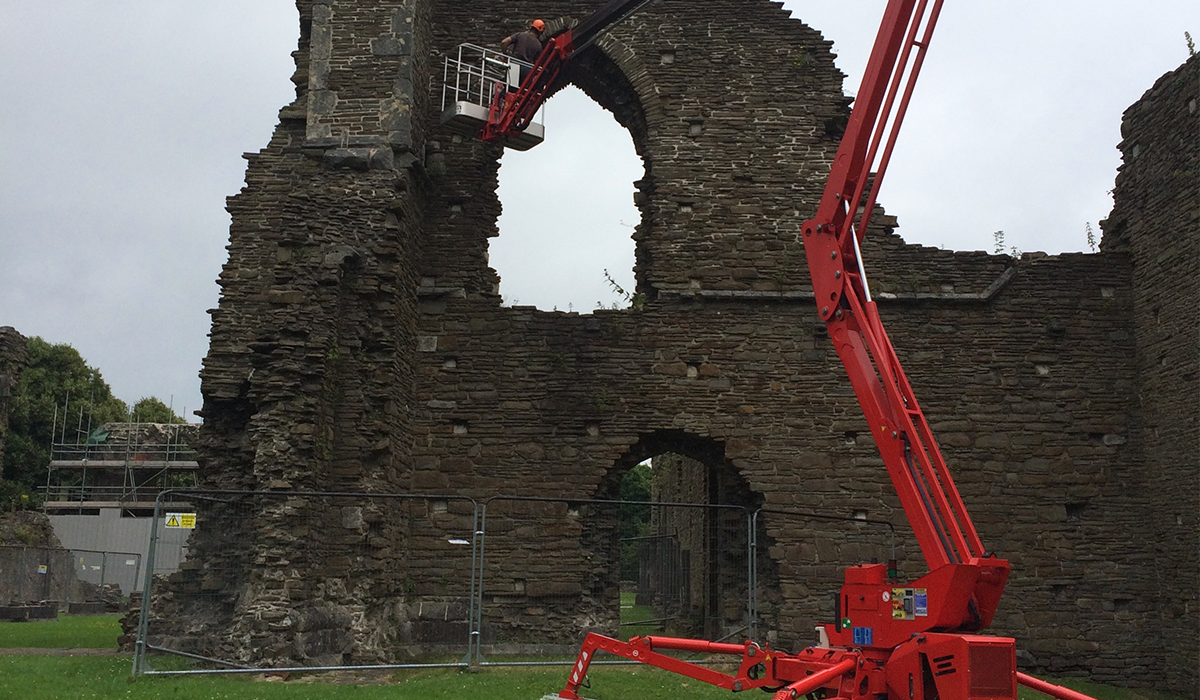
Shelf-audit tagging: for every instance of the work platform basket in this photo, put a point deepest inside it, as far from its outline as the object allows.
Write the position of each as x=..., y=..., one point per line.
x=473, y=81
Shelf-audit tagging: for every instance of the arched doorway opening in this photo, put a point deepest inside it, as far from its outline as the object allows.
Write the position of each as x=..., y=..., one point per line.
x=688, y=560
x=565, y=232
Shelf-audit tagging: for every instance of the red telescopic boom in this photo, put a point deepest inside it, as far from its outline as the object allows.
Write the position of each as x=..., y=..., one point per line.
x=894, y=640
x=832, y=241
x=511, y=113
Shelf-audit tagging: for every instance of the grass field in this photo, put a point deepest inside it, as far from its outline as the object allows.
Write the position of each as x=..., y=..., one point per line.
x=88, y=678
x=67, y=632
x=107, y=678
x=36, y=677
x=632, y=614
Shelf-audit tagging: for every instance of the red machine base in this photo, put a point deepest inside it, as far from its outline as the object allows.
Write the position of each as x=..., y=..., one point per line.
x=929, y=666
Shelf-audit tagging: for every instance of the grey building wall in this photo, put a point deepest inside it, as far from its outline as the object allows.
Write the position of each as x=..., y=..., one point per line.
x=109, y=531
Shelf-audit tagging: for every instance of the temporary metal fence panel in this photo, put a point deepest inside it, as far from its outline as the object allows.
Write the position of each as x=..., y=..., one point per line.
x=310, y=581
x=693, y=571
x=116, y=532
x=553, y=570
x=319, y=581
x=108, y=577
x=799, y=563
x=38, y=575
x=67, y=577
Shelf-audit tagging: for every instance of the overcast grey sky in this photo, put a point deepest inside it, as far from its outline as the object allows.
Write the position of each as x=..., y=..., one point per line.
x=122, y=124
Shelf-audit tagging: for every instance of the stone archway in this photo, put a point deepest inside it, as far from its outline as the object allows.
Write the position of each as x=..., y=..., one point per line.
x=360, y=344
x=691, y=558
x=614, y=77
x=584, y=224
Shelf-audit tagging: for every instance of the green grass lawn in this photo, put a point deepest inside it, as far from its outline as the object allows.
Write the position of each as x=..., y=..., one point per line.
x=632, y=614
x=91, y=678
x=29, y=677
x=67, y=632
x=107, y=678
x=1101, y=692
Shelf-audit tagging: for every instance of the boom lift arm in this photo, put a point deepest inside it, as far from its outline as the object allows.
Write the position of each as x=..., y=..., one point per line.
x=891, y=640
x=511, y=114
x=832, y=245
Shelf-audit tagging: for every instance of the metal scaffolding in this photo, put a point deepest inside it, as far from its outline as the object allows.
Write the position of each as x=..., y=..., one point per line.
x=115, y=465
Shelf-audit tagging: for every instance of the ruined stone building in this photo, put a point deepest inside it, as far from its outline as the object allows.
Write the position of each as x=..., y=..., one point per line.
x=360, y=343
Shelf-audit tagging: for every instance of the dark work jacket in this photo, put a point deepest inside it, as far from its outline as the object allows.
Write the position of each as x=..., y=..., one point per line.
x=526, y=46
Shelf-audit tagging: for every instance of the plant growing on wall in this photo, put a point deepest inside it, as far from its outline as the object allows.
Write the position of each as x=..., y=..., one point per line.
x=1003, y=249
x=635, y=301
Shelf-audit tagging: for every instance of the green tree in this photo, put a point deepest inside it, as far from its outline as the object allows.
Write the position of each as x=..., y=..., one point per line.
x=55, y=375
x=634, y=518
x=150, y=409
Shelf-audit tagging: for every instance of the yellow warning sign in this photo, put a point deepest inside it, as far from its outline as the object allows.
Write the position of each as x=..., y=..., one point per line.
x=186, y=521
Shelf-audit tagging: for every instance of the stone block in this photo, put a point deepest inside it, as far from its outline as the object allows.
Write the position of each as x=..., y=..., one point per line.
x=389, y=46
x=547, y=589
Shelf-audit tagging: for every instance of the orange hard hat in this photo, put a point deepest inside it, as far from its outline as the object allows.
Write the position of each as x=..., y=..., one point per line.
x=538, y=25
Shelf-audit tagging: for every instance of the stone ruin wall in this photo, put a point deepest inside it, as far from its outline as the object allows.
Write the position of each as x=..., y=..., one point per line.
x=13, y=355
x=309, y=379
x=360, y=344
x=1156, y=222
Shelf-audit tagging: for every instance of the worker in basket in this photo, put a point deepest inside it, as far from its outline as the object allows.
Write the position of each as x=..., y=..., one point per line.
x=527, y=45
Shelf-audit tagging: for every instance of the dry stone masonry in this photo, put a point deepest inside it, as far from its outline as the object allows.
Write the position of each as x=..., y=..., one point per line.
x=360, y=344
x=1155, y=220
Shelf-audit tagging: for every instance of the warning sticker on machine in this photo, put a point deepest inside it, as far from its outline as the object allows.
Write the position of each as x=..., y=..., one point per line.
x=909, y=603
x=864, y=636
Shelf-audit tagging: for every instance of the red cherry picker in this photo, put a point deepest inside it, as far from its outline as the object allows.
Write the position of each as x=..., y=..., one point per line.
x=917, y=640
x=484, y=96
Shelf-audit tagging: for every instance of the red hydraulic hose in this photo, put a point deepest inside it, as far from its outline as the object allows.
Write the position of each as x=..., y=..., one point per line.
x=1054, y=691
